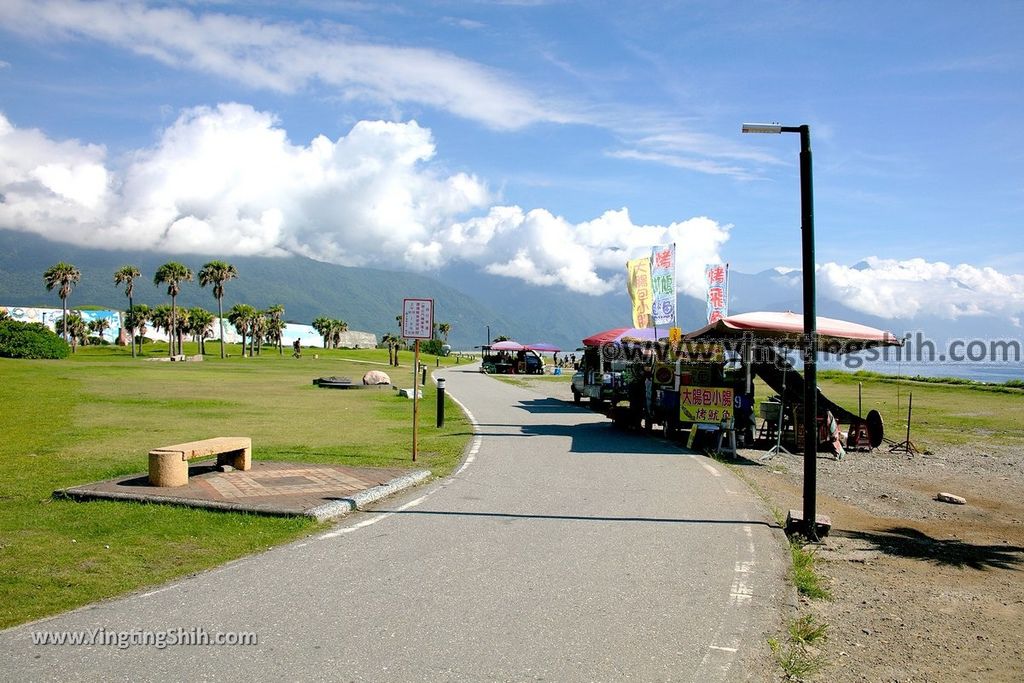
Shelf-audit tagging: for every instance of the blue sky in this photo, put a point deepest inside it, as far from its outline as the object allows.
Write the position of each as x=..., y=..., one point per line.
x=547, y=141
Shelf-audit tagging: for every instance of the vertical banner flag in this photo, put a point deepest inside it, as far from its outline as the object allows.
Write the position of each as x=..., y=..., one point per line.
x=663, y=284
x=638, y=283
x=717, y=278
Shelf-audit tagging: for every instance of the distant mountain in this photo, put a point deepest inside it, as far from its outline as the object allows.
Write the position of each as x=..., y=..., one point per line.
x=368, y=299
x=469, y=299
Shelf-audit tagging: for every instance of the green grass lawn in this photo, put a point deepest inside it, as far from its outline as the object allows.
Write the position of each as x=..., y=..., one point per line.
x=97, y=414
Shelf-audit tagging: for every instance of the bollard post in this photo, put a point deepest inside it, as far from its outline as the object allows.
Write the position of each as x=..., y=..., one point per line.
x=440, y=402
x=423, y=381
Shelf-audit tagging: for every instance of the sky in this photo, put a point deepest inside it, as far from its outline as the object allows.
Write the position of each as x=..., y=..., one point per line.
x=542, y=140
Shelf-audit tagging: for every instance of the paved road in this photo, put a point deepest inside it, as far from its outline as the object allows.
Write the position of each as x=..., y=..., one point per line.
x=562, y=550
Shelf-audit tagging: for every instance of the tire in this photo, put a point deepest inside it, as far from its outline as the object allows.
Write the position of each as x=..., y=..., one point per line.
x=576, y=397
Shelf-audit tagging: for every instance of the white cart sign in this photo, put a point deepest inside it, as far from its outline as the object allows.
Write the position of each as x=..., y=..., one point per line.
x=418, y=318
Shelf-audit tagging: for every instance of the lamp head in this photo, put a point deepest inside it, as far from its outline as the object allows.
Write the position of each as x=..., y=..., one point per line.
x=761, y=128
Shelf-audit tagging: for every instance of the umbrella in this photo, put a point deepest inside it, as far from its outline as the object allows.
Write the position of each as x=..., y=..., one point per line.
x=507, y=345
x=543, y=347
x=790, y=325
x=618, y=335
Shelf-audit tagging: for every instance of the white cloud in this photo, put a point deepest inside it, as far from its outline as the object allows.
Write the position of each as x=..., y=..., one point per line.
x=227, y=180
x=915, y=287
x=587, y=257
x=288, y=57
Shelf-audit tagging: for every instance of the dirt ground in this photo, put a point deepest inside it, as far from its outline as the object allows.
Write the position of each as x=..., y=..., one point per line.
x=922, y=590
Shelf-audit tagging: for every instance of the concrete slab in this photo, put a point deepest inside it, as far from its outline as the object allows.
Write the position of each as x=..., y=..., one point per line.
x=269, y=488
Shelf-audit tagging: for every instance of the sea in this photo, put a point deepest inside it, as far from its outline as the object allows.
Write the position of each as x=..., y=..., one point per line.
x=993, y=373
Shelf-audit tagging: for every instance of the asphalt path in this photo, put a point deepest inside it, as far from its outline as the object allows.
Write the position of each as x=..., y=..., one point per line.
x=560, y=550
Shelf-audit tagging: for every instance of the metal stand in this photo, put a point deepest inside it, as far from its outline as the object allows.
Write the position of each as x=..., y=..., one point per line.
x=907, y=446
x=778, y=447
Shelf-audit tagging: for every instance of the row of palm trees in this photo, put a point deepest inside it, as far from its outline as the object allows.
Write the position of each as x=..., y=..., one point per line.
x=251, y=323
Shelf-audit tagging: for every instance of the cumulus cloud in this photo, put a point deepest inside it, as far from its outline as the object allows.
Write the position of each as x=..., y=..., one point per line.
x=287, y=58
x=915, y=287
x=587, y=257
x=227, y=180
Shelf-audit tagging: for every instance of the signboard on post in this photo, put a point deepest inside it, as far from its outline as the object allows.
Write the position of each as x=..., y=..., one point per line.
x=417, y=323
x=705, y=405
x=418, y=318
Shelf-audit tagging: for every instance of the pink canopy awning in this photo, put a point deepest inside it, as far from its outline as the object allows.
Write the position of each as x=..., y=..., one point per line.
x=791, y=325
x=543, y=347
x=507, y=345
x=618, y=335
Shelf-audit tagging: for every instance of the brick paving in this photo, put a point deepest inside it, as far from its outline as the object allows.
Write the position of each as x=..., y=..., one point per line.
x=269, y=487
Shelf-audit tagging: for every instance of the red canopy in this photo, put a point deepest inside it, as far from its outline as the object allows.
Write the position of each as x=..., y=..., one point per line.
x=621, y=334
x=789, y=324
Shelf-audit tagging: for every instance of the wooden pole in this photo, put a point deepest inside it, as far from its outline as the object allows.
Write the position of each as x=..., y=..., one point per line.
x=415, y=399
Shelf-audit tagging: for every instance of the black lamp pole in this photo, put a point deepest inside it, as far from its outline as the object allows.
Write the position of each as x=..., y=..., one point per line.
x=810, y=321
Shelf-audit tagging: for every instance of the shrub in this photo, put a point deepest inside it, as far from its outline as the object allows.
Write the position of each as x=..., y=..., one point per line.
x=30, y=340
x=433, y=347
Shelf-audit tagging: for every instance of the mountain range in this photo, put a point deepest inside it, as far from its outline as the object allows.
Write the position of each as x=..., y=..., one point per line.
x=369, y=299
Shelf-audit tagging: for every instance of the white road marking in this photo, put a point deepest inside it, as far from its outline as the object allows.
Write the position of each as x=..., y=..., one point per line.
x=474, y=447
x=724, y=649
x=711, y=469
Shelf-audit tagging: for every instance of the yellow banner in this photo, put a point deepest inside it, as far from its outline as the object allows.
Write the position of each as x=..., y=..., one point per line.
x=705, y=404
x=638, y=283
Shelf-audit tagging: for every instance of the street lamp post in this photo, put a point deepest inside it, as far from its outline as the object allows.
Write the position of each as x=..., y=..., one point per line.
x=809, y=522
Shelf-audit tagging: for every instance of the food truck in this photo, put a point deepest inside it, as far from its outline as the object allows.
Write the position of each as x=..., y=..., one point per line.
x=704, y=380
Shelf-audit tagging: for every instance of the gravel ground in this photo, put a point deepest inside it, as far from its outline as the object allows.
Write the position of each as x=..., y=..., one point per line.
x=921, y=590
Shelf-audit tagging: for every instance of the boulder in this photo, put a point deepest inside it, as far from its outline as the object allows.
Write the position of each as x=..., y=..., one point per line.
x=376, y=377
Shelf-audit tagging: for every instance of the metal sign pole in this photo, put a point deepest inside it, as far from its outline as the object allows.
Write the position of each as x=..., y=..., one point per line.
x=415, y=399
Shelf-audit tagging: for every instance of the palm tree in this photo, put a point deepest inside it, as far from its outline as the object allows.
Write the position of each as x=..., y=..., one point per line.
x=160, y=316
x=241, y=316
x=200, y=324
x=275, y=326
x=75, y=328
x=217, y=273
x=322, y=325
x=393, y=341
x=135, y=320
x=182, y=326
x=444, y=329
x=98, y=326
x=65, y=275
x=172, y=274
x=257, y=332
x=126, y=275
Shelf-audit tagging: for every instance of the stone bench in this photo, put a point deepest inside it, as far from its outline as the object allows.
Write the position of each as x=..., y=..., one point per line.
x=168, y=466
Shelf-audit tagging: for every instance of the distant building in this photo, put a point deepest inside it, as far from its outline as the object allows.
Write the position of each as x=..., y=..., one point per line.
x=50, y=317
